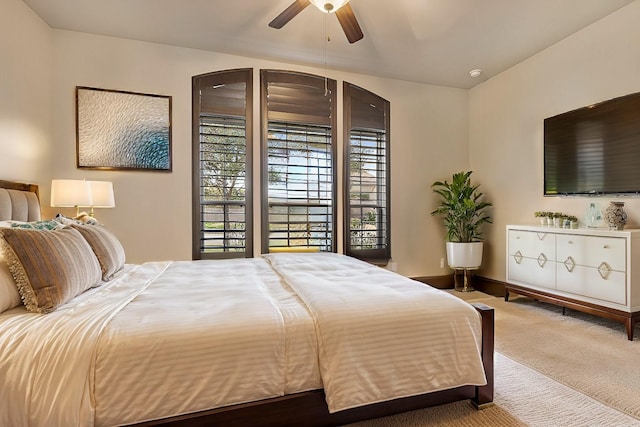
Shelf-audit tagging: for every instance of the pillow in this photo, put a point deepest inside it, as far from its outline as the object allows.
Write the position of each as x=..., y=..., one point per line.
x=9, y=296
x=37, y=225
x=82, y=219
x=106, y=246
x=49, y=267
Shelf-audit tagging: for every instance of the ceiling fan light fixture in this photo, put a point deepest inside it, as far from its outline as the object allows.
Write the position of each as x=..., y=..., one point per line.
x=329, y=6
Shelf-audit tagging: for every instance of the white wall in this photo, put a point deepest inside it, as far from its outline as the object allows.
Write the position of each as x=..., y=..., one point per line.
x=500, y=120
x=506, y=116
x=429, y=140
x=25, y=94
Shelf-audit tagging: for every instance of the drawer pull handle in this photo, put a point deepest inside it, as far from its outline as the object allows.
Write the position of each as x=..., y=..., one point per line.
x=571, y=242
x=569, y=264
x=541, y=236
x=517, y=257
x=542, y=260
x=606, y=246
x=604, y=270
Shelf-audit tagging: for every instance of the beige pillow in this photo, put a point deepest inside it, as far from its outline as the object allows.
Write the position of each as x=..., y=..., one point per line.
x=106, y=246
x=9, y=296
x=49, y=267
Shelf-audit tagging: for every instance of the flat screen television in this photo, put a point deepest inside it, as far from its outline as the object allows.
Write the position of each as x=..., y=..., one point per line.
x=594, y=149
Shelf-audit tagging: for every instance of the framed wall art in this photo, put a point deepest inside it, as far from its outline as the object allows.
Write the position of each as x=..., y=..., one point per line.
x=122, y=130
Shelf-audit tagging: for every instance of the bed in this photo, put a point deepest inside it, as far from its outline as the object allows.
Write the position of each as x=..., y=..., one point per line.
x=281, y=340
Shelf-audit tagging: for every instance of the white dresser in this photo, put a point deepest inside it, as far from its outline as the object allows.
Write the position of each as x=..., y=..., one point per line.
x=590, y=270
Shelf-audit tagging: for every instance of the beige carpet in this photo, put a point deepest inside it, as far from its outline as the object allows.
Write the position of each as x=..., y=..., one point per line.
x=551, y=370
x=587, y=353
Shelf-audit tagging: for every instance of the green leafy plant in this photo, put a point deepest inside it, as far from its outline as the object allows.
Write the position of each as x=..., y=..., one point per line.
x=461, y=208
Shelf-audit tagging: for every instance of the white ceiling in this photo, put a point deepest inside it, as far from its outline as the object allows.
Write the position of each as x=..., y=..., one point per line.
x=427, y=41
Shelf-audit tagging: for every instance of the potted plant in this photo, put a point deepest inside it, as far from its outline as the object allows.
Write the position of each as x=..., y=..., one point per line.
x=573, y=221
x=463, y=212
x=549, y=216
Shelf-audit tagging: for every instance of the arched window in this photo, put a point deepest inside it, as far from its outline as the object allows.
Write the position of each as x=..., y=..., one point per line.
x=299, y=179
x=222, y=123
x=298, y=162
x=367, y=191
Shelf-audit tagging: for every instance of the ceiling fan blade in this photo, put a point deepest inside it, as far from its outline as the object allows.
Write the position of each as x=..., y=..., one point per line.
x=349, y=23
x=289, y=13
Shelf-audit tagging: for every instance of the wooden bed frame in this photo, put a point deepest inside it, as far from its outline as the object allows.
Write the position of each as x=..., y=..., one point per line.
x=309, y=409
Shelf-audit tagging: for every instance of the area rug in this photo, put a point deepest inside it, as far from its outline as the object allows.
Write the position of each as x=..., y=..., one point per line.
x=523, y=397
x=587, y=353
x=551, y=369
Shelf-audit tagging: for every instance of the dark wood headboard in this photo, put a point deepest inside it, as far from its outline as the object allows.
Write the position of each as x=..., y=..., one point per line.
x=11, y=185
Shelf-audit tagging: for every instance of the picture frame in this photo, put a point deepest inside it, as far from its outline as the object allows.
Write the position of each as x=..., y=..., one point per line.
x=122, y=130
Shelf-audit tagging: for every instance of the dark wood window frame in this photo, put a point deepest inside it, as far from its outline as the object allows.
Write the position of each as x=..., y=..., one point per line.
x=301, y=113
x=213, y=80
x=372, y=124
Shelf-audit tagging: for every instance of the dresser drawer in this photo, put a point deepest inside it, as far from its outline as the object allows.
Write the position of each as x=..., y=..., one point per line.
x=592, y=251
x=531, y=244
x=530, y=271
x=589, y=282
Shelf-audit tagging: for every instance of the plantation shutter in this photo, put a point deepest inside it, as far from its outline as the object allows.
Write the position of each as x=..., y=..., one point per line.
x=299, y=174
x=222, y=213
x=367, y=185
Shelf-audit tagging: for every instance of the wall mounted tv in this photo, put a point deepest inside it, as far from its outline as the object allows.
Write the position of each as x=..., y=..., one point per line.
x=594, y=150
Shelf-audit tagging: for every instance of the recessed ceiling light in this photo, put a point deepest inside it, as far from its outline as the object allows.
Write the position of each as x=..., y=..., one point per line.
x=475, y=73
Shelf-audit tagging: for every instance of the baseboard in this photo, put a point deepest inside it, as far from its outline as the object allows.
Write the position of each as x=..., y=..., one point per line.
x=483, y=284
x=440, y=282
x=489, y=286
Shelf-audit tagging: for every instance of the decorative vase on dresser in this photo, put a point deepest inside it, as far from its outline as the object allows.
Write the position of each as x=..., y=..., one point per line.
x=593, y=216
x=615, y=216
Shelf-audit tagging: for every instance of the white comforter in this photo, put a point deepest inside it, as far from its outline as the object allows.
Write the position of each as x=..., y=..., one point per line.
x=169, y=338
x=381, y=335
x=162, y=339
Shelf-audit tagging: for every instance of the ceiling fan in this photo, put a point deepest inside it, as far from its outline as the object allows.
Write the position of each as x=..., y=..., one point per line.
x=341, y=8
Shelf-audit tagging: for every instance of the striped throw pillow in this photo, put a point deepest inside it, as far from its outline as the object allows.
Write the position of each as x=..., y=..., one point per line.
x=106, y=246
x=49, y=267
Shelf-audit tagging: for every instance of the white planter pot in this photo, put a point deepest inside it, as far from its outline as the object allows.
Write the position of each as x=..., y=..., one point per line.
x=464, y=255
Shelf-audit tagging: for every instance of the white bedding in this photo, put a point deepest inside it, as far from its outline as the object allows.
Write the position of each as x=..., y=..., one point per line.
x=381, y=335
x=46, y=360
x=169, y=338
x=185, y=336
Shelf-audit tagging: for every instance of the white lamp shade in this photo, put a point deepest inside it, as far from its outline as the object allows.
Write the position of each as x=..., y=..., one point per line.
x=329, y=6
x=70, y=192
x=102, y=194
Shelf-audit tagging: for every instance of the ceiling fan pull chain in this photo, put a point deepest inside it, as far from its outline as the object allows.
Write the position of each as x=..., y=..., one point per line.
x=327, y=39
